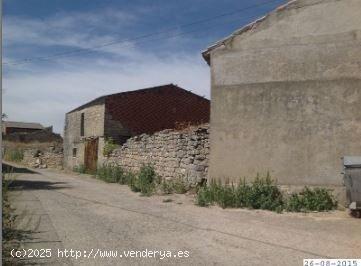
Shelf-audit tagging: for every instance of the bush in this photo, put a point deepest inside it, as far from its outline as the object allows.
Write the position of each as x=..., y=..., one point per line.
x=109, y=147
x=14, y=155
x=79, y=169
x=146, y=180
x=261, y=194
x=264, y=194
x=318, y=199
x=177, y=186
x=203, y=197
x=133, y=182
x=111, y=174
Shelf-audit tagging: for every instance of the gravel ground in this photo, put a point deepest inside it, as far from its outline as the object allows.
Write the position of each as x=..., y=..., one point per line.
x=76, y=212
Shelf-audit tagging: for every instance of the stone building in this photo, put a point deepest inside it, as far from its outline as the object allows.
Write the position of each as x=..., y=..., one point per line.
x=10, y=127
x=123, y=115
x=286, y=94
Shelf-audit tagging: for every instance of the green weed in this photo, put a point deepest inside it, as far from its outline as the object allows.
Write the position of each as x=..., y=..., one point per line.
x=14, y=155
x=317, y=199
x=79, y=169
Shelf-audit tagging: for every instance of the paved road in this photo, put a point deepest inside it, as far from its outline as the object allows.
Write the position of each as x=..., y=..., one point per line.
x=69, y=211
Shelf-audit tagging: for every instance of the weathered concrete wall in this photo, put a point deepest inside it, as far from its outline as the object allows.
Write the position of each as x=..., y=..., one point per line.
x=93, y=127
x=174, y=154
x=286, y=95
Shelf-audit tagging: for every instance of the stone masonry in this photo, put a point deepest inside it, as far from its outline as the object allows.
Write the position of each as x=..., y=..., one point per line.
x=51, y=158
x=174, y=154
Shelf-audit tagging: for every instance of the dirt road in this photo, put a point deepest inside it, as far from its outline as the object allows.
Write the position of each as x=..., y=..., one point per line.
x=75, y=212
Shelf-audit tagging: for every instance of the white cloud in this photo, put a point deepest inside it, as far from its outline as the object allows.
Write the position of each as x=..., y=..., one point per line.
x=75, y=30
x=47, y=96
x=45, y=92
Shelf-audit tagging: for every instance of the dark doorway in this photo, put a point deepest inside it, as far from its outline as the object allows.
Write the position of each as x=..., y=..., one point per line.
x=91, y=155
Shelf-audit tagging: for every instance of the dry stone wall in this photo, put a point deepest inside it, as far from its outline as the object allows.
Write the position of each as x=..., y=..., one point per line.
x=36, y=154
x=51, y=158
x=174, y=154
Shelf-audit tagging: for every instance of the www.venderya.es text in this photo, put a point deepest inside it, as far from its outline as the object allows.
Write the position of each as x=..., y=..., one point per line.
x=98, y=253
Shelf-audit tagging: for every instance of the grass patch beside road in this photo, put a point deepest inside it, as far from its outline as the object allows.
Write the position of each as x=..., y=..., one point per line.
x=146, y=181
x=11, y=235
x=263, y=193
x=14, y=155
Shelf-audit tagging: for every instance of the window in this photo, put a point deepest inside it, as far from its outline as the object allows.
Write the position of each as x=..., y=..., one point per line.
x=74, y=152
x=82, y=125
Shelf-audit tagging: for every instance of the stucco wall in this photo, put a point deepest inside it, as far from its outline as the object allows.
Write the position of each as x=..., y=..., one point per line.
x=286, y=95
x=174, y=154
x=93, y=127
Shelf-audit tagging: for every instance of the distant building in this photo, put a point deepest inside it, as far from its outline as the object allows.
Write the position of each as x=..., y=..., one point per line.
x=122, y=115
x=9, y=127
x=286, y=95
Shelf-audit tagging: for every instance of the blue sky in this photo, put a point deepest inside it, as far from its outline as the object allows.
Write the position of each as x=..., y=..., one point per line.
x=46, y=87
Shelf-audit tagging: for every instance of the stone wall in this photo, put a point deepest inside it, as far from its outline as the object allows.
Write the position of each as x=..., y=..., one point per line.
x=36, y=154
x=74, y=143
x=52, y=158
x=174, y=154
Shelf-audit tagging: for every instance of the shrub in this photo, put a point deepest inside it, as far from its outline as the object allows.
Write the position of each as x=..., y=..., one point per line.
x=146, y=180
x=177, y=186
x=318, y=199
x=79, y=169
x=261, y=194
x=14, y=155
x=133, y=182
x=166, y=187
x=264, y=194
x=109, y=147
x=111, y=174
x=203, y=197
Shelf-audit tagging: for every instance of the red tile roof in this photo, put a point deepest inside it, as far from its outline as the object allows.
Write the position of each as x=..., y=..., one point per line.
x=154, y=109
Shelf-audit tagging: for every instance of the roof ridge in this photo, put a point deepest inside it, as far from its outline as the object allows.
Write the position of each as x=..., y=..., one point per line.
x=148, y=89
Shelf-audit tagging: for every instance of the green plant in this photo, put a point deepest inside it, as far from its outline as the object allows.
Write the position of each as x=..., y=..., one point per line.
x=111, y=174
x=264, y=194
x=261, y=194
x=179, y=186
x=166, y=187
x=146, y=180
x=79, y=169
x=14, y=155
x=203, y=198
x=173, y=186
x=133, y=182
x=10, y=235
x=317, y=199
x=109, y=147
x=7, y=216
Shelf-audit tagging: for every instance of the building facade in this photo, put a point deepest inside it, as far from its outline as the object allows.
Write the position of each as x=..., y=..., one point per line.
x=286, y=94
x=123, y=115
x=10, y=127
